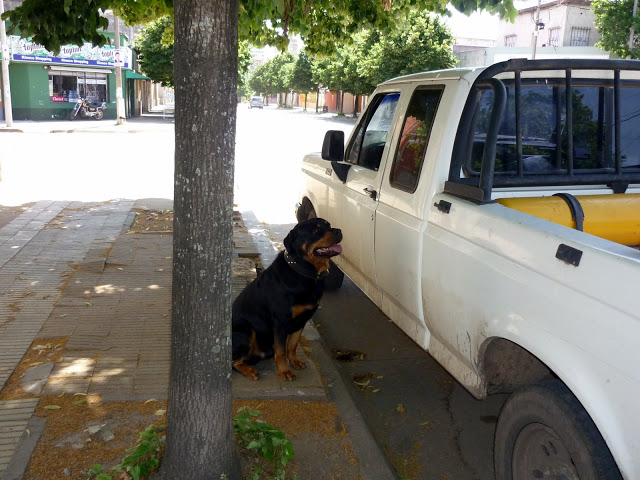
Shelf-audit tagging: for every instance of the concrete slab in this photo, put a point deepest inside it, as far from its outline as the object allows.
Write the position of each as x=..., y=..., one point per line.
x=35, y=378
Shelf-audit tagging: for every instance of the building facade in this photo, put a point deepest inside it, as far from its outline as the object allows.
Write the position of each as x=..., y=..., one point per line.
x=46, y=86
x=566, y=29
x=562, y=23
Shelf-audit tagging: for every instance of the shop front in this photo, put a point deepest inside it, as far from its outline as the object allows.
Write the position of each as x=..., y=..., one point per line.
x=45, y=86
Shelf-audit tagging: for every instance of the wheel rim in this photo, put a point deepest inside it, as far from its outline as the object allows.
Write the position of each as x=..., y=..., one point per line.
x=539, y=453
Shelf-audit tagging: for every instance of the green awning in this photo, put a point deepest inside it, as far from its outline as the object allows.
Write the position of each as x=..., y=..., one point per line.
x=135, y=76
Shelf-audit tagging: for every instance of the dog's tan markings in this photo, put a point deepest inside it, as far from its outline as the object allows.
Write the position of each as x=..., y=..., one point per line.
x=298, y=309
x=254, y=349
x=292, y=345
x=281, y=361
x=246, y=370
x=321, y=264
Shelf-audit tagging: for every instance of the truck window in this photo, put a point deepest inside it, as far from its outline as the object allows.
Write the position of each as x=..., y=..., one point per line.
x=544, y=130
x=416, y=130
x=369, y=141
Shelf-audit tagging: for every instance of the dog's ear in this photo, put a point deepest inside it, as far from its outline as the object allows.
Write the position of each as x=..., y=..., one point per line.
x=290, y=240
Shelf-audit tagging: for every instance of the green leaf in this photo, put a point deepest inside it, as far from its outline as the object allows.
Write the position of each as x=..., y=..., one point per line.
x=96, y=469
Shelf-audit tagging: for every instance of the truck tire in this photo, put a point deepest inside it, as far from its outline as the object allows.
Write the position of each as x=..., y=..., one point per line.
x=305, y=211
x=544, y=432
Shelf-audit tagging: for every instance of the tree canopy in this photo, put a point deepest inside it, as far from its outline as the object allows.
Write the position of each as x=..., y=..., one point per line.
x=614, y=19
x=322, y=24
x=419, y=44
x=155, y=47
x=155, y=54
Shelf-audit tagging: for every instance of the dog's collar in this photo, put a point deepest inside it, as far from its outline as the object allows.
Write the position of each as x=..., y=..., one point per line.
x=302, y=270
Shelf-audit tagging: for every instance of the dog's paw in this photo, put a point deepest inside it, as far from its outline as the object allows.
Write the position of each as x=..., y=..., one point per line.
x=286, y=375
x=247, y=371
x=297, y=364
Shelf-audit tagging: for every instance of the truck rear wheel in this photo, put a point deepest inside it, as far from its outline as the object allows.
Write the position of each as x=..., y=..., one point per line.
x=544, y=432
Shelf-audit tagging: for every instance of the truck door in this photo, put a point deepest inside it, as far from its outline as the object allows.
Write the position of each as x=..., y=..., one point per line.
x=356, y=211
x=400, y=215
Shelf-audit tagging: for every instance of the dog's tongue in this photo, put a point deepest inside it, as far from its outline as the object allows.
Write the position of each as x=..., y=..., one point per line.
x=329, y=251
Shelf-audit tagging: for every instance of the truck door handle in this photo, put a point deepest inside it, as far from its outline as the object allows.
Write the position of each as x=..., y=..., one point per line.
x=372, y=193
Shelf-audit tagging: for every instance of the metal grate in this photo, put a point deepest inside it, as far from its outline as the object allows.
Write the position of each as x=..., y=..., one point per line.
x=554, y=37
x=510, y=40
x=579, y=36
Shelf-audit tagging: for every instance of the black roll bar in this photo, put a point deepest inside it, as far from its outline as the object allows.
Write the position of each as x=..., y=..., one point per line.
x=480, y=189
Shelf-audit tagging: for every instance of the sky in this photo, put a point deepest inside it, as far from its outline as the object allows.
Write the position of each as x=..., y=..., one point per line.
x=477, y=25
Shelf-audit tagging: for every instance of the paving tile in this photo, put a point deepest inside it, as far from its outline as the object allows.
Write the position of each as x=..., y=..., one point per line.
x=58, y=386
x=14, y=416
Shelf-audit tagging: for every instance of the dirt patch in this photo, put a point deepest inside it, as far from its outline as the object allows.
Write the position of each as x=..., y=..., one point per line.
x=84, y=432
x=40, y=351
x=152, y=221
x=320, y=439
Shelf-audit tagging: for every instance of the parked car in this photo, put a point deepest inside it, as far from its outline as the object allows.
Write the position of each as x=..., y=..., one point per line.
x=256, y=102
x=493, y=214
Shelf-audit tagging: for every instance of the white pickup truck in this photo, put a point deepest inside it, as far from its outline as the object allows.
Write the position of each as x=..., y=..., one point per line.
x=494, y=215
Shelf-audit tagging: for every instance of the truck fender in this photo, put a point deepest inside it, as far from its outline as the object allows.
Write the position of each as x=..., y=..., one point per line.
x=534, y=356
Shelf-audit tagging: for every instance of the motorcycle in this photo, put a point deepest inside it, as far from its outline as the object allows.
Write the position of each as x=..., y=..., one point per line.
x=88, y=109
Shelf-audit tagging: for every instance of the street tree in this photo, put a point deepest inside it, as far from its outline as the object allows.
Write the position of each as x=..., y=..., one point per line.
x=614, y=20
x=279, y=73
x=156, y=51
x=199, y=442
x=301, y=79
x=258, y=80
x=420, y=44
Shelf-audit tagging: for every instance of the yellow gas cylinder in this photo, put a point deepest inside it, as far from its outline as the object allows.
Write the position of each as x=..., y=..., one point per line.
x=615, y=217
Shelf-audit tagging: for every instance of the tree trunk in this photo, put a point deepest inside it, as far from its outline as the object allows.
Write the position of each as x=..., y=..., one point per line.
x=200, y=442
x=317, y=99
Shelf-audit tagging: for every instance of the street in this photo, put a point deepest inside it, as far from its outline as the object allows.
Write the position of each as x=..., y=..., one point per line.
x=427, y=424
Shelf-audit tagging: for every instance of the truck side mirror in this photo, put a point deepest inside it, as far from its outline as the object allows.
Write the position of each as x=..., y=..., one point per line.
x=333, y=146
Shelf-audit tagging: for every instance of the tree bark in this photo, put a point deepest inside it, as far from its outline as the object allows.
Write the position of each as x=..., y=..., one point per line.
x=200, y=441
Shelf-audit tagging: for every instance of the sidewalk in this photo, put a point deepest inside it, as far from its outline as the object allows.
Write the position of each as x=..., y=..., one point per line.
x=154, y=122
x=85, y=301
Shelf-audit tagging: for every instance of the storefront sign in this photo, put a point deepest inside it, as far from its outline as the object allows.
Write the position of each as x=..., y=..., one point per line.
x=23, y=50
x=57, y=99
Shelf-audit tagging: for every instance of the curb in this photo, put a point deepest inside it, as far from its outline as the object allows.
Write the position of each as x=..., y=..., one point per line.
x=22, y=455
x=373, y=462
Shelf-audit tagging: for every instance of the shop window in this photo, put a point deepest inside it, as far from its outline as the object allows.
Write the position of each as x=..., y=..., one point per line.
x=68, y=86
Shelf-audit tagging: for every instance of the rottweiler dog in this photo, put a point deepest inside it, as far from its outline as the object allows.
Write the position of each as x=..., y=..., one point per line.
x=270, y=313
